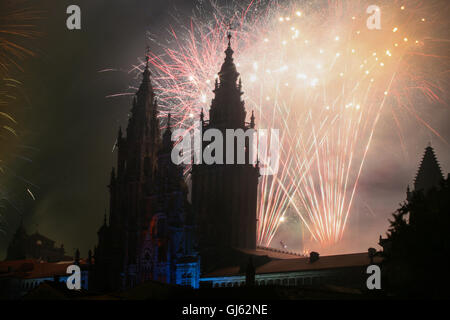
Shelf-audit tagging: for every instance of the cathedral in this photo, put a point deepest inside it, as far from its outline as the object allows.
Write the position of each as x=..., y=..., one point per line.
x=150, y=232
x=225, y=195
x=153, y=231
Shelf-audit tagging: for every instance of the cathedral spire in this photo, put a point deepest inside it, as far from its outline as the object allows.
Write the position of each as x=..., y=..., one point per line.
x=143, y=125
x=228, y=73
x=146, y=85
x=77, y=257
x=168, y=121
x=429, y=174
x=252, y=120
x=227, y=108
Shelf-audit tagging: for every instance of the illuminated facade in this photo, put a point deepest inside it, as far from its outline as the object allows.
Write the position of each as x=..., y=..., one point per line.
x=150, y=234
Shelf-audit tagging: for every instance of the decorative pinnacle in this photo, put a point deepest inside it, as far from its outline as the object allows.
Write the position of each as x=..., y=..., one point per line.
x=147, y=73
x=229, y=52
x=229, y=34
x=147, y=56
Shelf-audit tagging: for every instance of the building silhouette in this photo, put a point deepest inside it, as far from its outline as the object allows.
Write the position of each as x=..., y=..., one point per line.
x=224, y=195
x=149, y=235
x=428, y=177
x=153, y=232
x=429, y=174
x=34, y=246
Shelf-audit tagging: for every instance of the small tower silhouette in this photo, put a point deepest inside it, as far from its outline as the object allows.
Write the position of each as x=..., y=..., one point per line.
x=429, y=174
x=77, y=257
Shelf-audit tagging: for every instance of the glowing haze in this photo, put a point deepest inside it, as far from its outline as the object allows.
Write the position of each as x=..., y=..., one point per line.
x=320, y=76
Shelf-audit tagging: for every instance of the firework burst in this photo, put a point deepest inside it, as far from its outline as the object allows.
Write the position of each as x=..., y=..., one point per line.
x=17, y=30
x=320, y=76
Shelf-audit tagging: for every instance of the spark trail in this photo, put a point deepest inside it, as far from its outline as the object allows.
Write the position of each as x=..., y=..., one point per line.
x=317, y=73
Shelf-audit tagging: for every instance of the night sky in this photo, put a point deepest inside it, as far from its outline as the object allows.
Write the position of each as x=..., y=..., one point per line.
x=65, y=117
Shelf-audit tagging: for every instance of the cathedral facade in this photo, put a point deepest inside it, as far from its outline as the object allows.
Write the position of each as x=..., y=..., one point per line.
x=150, y=232
x=154, y=232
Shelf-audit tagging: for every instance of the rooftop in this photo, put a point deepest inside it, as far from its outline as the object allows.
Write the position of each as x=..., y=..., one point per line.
x=272, y=253
x=34, y=269
x=302, y=264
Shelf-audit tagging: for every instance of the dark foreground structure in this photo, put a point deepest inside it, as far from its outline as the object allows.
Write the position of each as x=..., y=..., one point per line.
x=275, y=275
x=34, y=246
x=419, y=235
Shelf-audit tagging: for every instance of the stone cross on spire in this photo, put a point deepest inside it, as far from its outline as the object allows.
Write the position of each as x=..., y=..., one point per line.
x=230, y=27
x=228, y=73
x=146, y=85
x=229, y=36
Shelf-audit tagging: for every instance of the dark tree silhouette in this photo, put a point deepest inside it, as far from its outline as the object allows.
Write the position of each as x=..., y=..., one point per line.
x=417, y=249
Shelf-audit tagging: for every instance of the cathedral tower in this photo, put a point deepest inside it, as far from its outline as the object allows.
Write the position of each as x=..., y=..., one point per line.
x=224, y=196
x=429, y=174
x=149, y=236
